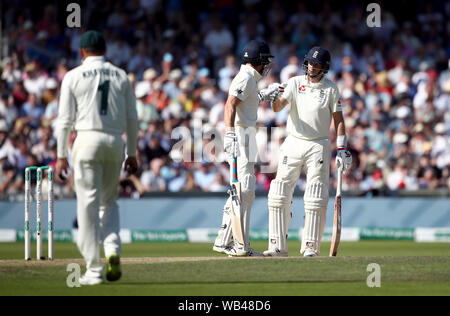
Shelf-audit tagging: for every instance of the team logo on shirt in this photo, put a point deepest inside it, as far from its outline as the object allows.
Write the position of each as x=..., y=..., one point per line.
x=302, y=89
x=321, y=95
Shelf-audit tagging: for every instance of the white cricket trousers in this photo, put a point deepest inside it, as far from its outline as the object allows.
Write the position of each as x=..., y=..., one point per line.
x=97, y=159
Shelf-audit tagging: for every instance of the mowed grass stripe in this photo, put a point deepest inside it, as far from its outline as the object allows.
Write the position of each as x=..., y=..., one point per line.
x=185, y=269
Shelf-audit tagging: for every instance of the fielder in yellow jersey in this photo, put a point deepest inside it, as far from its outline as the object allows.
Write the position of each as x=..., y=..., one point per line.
x=97, y=100
x=313, y=102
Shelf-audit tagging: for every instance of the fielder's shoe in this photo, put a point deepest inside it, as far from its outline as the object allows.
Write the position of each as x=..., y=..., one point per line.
x=253, y=253
x=221, y=249
x=113, y=271
x=91, y=278
x=275, y=253
x=236, y=252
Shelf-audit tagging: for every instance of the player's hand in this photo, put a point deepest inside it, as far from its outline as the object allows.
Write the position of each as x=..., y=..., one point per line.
x=278, y=92
x=131, y=165
x=269, y=93
x=230, y=145
x=344, y=160
x=62, y=169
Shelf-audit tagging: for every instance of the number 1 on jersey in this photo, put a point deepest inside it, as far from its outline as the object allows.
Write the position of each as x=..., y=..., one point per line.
x=104, y=88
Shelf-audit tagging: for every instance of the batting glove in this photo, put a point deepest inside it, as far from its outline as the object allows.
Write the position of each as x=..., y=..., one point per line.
x=278, y=92
x=269, y=93
x=230, y=143
x=344, y=160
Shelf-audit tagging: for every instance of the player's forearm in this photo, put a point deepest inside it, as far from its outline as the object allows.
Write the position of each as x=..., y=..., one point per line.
x=339, y=124
x=279, y=104
x=229, y=114
x=341, y=141
x=132, y=130
x=63, y=142
x=341, y=129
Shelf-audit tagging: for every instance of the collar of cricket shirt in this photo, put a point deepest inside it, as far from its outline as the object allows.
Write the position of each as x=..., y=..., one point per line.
x=92, y=59
x=252, y=71
x=315, y=85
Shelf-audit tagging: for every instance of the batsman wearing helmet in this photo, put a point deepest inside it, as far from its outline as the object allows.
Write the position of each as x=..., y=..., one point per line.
x=240, y=140
x=313, y=102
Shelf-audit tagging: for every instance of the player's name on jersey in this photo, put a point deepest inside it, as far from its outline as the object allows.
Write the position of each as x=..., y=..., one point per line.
x=101, y=71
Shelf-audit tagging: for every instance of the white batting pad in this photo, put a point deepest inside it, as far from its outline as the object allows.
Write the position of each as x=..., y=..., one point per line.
x=224, y=236
x=316, y=195
x=279, y=214
x=315, y=220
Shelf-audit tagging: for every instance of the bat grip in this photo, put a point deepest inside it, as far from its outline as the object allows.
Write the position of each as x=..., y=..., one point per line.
x=233, y=170
x=339, y=181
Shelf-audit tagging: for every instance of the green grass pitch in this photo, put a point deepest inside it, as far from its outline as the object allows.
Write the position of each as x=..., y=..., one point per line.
x=155, y=269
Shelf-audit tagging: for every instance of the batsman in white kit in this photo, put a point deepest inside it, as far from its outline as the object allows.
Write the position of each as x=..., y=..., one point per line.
x=313, y=101
x=97, y=100
x=240, y=142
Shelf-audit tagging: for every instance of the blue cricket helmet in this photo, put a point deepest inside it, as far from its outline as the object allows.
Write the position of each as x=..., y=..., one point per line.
x=318, y=55
x=257, y=53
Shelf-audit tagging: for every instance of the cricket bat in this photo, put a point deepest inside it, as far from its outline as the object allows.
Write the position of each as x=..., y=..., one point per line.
x=236, y=216
x=337, y=216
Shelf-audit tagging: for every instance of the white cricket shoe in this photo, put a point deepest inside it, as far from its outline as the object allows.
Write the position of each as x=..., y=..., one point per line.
x=253, y=253
x=91, y=278
x=221, y=249
x=310, y=252
x=236, y=252
x=275, y=253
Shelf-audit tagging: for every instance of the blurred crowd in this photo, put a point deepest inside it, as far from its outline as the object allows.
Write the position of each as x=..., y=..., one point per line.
x=181, y=57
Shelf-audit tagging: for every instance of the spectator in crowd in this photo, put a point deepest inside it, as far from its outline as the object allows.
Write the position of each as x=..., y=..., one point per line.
x=32, y=111
x=151, y=179
x=394, y=83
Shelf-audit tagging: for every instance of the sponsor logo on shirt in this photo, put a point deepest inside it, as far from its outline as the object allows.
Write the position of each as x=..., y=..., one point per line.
x=302, y=89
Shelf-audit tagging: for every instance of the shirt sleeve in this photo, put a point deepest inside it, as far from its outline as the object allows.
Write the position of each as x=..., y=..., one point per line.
x=289, y=91
x=335, y=101
x=240, y=87
x=66, y=116
x=132, y=122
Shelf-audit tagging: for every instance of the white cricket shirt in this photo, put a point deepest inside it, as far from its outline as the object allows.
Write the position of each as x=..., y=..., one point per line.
x=311, y=107
x=97, y=96
x=245, y=87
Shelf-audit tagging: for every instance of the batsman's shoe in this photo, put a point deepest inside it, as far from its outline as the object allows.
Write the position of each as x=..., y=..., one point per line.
x=221, y=249
x=253, y=253
x=236, y=252
x=114, y=271
x=309, y=253
x=91, y=278
x=275, y=253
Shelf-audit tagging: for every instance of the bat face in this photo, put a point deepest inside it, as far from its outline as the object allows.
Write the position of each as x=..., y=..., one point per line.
x=235, y=193
x=336, y=227
x=337, y=219
x=236, y=222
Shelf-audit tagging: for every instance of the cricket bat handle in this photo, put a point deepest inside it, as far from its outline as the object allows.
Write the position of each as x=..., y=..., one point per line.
x=233, y=171
x=339, y=181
